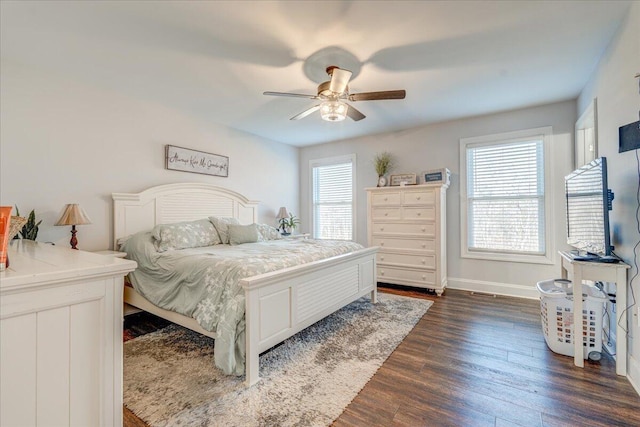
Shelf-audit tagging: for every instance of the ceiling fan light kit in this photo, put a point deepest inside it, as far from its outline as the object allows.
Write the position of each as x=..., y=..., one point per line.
x=332, y=92
x=333, y=111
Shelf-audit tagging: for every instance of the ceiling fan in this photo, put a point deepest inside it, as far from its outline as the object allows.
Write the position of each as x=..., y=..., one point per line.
x=332, y=95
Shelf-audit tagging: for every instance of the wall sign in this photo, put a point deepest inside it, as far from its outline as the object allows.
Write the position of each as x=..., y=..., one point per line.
x=187, y=160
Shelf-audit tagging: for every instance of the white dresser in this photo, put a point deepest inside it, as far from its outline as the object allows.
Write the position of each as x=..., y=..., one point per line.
x=61, y=337
x=409, y=225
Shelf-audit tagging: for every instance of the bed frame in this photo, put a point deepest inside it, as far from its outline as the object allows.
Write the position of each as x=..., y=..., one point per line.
x=278, y=304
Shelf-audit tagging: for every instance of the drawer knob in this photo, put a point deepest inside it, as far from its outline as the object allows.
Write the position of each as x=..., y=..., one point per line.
x=424, y=261
x=419, y=213
x=424, y=277
x=382, y=272
x=386, y=214
x=424, y=229
x=424, y=245
x=417, y=197
x=385, y=199
x=382, y=258
x=381, y=228
x=381, y=243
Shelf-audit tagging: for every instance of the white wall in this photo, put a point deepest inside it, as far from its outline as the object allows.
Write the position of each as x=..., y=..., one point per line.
x=437, y=146
x=66, y=142
x=616, y=89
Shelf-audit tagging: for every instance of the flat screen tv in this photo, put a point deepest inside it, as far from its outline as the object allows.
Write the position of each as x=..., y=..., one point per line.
x=588, y=205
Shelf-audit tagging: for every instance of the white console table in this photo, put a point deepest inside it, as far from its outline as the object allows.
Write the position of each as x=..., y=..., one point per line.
x=616, y=273
x=61, y=337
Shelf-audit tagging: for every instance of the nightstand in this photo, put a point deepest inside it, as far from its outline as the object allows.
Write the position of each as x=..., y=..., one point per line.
x=116, y=254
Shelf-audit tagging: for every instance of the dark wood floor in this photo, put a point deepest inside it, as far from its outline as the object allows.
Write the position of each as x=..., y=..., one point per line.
x=476, y=360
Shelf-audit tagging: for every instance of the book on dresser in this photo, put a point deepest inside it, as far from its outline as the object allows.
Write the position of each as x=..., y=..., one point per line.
x=408, y=223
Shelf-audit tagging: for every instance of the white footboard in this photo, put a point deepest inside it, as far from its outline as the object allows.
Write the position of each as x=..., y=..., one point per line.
x=282, y=303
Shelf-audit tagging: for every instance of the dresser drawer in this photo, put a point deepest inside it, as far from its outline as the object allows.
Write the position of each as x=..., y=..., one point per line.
x=386, y=199
x=426, y=197
x=427, y=213
x=404, y=244
x=386, y=213
x=420, y=261
x=416, y=277
x=428, y=229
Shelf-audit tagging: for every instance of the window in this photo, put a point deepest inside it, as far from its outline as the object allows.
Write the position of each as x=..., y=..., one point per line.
x=505, y=196
x=333, y=182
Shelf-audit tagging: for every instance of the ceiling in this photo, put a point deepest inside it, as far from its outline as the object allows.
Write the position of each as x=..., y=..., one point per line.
x=213, y=60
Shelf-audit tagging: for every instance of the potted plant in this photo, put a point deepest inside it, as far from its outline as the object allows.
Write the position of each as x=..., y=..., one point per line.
x=383, y=163
x=30, y=229
x=290, y=223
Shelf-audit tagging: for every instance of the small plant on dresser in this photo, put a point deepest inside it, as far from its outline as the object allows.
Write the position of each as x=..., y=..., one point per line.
x=383, y=163
x=30, y=228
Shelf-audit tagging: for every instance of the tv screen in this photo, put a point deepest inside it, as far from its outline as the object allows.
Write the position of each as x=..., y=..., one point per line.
x=588, y=205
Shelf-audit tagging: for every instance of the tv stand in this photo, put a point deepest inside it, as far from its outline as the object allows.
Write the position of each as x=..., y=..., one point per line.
x=578, y=270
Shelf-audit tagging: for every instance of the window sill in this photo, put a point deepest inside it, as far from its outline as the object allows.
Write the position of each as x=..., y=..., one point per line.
x=506, y=257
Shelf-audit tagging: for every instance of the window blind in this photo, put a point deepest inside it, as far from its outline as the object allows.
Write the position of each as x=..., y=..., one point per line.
x=333, y=201
x=505, y=197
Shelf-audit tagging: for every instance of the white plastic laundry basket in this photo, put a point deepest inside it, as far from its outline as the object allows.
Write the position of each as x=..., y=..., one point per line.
x=556, y=310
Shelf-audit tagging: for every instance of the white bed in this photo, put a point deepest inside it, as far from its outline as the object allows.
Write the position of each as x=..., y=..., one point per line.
x=278, y=304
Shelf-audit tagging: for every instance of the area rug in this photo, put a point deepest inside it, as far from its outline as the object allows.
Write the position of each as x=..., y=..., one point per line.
x=170, y=378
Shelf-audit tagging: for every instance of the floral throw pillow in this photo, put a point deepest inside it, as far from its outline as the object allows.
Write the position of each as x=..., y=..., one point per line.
x=222, y=226
x=182, y=235
x=268, y=232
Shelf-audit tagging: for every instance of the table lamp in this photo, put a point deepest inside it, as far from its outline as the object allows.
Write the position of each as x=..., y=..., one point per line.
x=281, y=217
x=73, y=215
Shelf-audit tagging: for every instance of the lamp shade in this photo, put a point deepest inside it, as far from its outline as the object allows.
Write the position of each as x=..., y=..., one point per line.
x=282, y=213
x=73, y=215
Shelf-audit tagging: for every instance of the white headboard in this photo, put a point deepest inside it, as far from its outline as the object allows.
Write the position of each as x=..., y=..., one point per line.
x=164, y=204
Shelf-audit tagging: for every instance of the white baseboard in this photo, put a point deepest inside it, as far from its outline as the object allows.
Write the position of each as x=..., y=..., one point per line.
x=494, y=288
x=633, y=373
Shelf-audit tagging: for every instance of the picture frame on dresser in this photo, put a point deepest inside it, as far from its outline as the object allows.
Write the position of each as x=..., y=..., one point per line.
x=406, y=178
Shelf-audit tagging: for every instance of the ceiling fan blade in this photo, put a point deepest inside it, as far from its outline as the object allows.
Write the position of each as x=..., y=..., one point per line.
x=374, y=96
x=305, y=113
x=339, y=80
x=355, y=114
x=294, y=95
